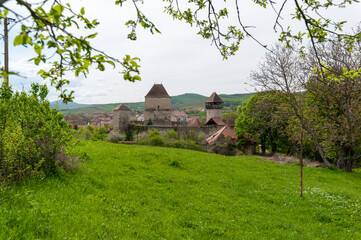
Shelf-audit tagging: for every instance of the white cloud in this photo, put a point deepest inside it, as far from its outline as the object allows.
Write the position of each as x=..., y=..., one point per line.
x=180, y=59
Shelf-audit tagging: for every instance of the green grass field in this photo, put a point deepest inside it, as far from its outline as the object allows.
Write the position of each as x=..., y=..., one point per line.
x=142, y=192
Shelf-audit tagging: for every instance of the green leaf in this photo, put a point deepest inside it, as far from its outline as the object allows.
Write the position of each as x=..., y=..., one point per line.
x=18, y=40
x=37, y=49
x=137, y=78
x=58, y=8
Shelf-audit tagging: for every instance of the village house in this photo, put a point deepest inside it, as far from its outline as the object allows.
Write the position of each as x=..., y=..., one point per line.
x=179, y=116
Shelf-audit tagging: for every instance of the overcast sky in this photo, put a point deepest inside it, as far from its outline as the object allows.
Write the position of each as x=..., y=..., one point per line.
x=178, y=58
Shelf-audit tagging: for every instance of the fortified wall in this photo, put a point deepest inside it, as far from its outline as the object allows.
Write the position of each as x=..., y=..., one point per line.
x=157, y=115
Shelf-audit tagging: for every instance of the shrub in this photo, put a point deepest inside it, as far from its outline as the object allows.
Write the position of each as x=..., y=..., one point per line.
x=190, y=144
x=143, y=142
x=194, y=136
x=90, y=128
x=115, y=137
x=153, y=133
x=32, y=135
x=156, y=140
x=129, y=135
x=223, y=149
x=186, y=144
x=108, y=127
x=99, y=133
x=171, y=134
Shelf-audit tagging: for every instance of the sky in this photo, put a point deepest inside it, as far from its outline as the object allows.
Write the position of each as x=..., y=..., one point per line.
x=178, y=58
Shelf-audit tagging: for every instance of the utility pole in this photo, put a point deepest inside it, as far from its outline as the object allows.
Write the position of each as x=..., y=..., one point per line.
x=301, y=159
x=6, y=49
x=301, y=162
x=6, y=55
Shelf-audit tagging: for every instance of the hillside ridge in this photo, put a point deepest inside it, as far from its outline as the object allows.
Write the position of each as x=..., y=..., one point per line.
x=183, y=101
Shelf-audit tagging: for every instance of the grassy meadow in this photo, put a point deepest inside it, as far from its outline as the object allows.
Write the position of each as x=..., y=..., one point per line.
x=142, y=192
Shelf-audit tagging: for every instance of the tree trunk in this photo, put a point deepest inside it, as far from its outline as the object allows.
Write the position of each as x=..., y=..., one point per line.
x=349, y=165
x=345, y=158
x=274, y=147
x=318, y=146
x=263, y=144
x=273, y=142
x=341, y=162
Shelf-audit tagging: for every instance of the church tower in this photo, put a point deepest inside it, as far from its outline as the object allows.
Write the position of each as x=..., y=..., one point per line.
x=157, y=108
x=214, y=106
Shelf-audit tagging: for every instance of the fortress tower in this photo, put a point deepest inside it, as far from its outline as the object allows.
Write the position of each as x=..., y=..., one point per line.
x=121, y=118
x=214, y=106
x=157, y=106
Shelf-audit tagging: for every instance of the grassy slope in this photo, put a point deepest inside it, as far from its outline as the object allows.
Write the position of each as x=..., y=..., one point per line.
x=140, y=192
x=235, y=99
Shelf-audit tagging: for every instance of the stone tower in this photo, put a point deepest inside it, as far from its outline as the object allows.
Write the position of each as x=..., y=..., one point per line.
x=214, y=106
x=121, y=118
x=157, y=106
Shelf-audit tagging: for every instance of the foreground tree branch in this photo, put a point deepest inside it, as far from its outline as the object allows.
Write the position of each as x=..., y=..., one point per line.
x=45, y=28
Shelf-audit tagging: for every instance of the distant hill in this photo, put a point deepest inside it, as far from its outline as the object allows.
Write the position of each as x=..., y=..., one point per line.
x=188, y=98
x=235, y=99
x=184, y=101
x=71, y=105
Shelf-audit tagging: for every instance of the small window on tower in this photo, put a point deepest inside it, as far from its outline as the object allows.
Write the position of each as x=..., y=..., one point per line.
x=158, y=107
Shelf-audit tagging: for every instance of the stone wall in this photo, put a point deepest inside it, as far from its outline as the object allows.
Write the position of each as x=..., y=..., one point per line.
x=204, y=131
x=121, y=120
x=214, y=113
x=158, y=110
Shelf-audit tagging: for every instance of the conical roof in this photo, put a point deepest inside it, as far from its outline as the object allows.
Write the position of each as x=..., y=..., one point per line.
x=157, y=91
x=194, y=122
x=214, y=98
x=226, y=131
x=215, y=121
x=121, y=107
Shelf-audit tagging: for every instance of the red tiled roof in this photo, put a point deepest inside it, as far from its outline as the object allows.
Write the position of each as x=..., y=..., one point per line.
x=225, y=132
x=179, y=114
x=230, y=123
x=157, y=91
x=121, y=107
x=215, y=121
x=194, y=122
x=214, y=98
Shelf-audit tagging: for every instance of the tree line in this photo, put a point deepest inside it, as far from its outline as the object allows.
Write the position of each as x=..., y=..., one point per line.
x=319, y=92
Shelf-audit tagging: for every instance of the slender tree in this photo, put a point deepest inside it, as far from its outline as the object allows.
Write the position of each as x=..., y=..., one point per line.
x=332, y=113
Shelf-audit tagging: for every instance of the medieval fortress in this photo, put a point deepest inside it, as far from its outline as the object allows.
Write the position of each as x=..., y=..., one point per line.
x=158, y=113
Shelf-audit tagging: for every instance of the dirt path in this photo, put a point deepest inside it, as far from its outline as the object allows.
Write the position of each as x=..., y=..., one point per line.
x=289, y=160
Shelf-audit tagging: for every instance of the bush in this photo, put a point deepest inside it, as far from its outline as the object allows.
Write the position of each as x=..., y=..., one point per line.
x=153, y=133
x=108, y=127
x=223, y=149
x=115, y=137
x=186, y=144
x=32, y=135
x=156, y=140
x=190, y=144
x=99, y=133
x=171, y=134
x=194, y=136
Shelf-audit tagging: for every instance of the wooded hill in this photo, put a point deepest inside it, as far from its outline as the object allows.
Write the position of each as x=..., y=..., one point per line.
x=184, y=101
